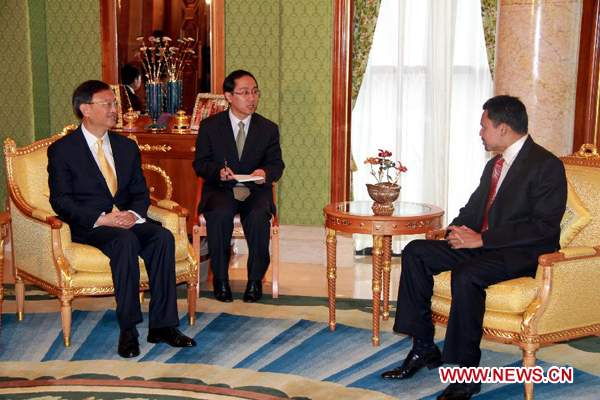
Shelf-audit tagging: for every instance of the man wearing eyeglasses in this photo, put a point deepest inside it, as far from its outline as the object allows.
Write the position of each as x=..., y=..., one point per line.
x=233, y=142
x=98, y=188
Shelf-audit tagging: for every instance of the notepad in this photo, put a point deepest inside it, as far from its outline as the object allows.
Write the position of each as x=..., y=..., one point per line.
x=247, y=178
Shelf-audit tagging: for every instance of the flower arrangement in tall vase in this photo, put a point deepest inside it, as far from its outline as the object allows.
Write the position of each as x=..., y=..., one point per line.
x=175, y=59
x=160, y=59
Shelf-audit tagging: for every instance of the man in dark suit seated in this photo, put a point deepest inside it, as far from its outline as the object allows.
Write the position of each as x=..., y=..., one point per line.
x=238, y=141
x=511, y=219
x=98, y=188
x=132, y=79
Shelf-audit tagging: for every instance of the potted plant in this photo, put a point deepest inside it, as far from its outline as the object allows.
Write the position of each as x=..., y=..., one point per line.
x=387, y=189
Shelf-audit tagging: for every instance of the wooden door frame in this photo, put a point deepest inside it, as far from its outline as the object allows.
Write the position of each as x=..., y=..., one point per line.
x=343, y=17
x=587, y=98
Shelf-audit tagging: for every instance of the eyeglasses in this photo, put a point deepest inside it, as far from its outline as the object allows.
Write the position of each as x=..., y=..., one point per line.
x=254, y=92
x=109, y=104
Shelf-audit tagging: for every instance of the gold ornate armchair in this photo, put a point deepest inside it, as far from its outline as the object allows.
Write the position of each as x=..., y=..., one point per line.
x=42, y=248
x=558, y=304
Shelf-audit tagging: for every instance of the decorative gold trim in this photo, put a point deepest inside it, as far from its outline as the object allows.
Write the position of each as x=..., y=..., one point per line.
x=587, y=156
x=419, y=224
x=165, y=176
x=65, y=274
x=150, y=148
x=192, y=259
x=331, y=236
x=20, y=316
x=67, y=341
x=117, y=92
x=505, y=336
x=377, y=245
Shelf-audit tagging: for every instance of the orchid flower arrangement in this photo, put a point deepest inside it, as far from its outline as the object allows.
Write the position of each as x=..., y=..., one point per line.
x=385, y=165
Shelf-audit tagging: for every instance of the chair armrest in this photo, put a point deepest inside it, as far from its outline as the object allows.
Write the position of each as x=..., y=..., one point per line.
x=172, y=206
x=569, y=284
x=171, y=220
x=437, y=234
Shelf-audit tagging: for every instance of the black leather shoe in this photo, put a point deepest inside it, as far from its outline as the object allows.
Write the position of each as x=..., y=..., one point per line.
x=128, y=343
x=171, y=336
x=460, y=391
x=222, y=290
x=413, y=363
x=253, y=292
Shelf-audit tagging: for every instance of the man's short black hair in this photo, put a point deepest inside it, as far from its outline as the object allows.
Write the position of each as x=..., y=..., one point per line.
x=508, y=110
x=84, y=94
x=129, y=73
x=229, y=82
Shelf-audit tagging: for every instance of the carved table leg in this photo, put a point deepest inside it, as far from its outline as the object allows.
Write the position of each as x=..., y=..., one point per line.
x=331, y=275
x=377, y=263
x=387, y=268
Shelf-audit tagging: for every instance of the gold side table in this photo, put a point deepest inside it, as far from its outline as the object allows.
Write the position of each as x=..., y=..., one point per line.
x=357, y=217
x=4, y=229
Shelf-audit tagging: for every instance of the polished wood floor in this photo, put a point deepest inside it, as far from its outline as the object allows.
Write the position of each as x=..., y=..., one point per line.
x=310, y=279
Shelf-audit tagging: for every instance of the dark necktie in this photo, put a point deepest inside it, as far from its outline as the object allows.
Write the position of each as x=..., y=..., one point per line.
x=240, y=140
x=492, y=193
x=240, y=192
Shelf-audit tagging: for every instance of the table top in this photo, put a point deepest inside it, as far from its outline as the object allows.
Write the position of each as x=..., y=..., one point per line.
x=408, y=218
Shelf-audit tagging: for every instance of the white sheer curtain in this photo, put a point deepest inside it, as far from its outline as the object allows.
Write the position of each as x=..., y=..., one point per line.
x=426, y=80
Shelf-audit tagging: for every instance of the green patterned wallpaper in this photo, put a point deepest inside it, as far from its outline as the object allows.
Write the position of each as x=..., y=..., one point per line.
x=74, y=54
x=287, y=44
x=39, y=67
x=51, y=46
x=16, y=102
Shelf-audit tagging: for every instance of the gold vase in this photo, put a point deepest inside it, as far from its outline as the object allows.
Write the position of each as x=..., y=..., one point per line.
x=383, y=194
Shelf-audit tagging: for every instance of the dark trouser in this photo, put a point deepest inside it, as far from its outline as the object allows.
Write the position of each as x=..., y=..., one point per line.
x=255, y=213
x=473, y=270
x=156, y=246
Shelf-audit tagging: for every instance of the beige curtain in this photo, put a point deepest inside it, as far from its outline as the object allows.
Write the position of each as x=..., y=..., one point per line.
x=365, y=20
x=488, y=15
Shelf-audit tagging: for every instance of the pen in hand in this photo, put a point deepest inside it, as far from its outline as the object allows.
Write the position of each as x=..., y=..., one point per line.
x=226, y=168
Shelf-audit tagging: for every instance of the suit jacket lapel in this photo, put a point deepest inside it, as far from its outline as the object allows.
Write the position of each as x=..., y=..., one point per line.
x=229, y=139
x=119, y=159
x=86, y=152
x=516, y=167
x=252, y=136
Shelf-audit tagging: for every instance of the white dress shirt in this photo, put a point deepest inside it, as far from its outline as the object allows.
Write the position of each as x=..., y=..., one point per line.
x=92, y=142
x=509, y=156
x=235, y=121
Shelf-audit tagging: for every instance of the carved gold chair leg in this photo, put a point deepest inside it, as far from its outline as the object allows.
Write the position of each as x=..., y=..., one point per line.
x=65, y=314
x=142, y=296
x=20, y=296
x=192, y=295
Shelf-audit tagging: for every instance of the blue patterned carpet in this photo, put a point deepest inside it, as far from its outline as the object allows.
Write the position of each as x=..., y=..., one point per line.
x=266, y=345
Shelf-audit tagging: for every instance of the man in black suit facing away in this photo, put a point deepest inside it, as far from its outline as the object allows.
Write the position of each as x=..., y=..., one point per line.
x=511, y=219
x=238, y=141
x=98, y=188
x=132, y=79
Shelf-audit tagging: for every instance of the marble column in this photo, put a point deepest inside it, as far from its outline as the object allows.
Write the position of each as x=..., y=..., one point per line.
x=537, y=47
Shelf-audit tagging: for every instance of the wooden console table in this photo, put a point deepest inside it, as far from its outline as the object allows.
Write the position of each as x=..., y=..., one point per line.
x=357, y=217
x=174, y=153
